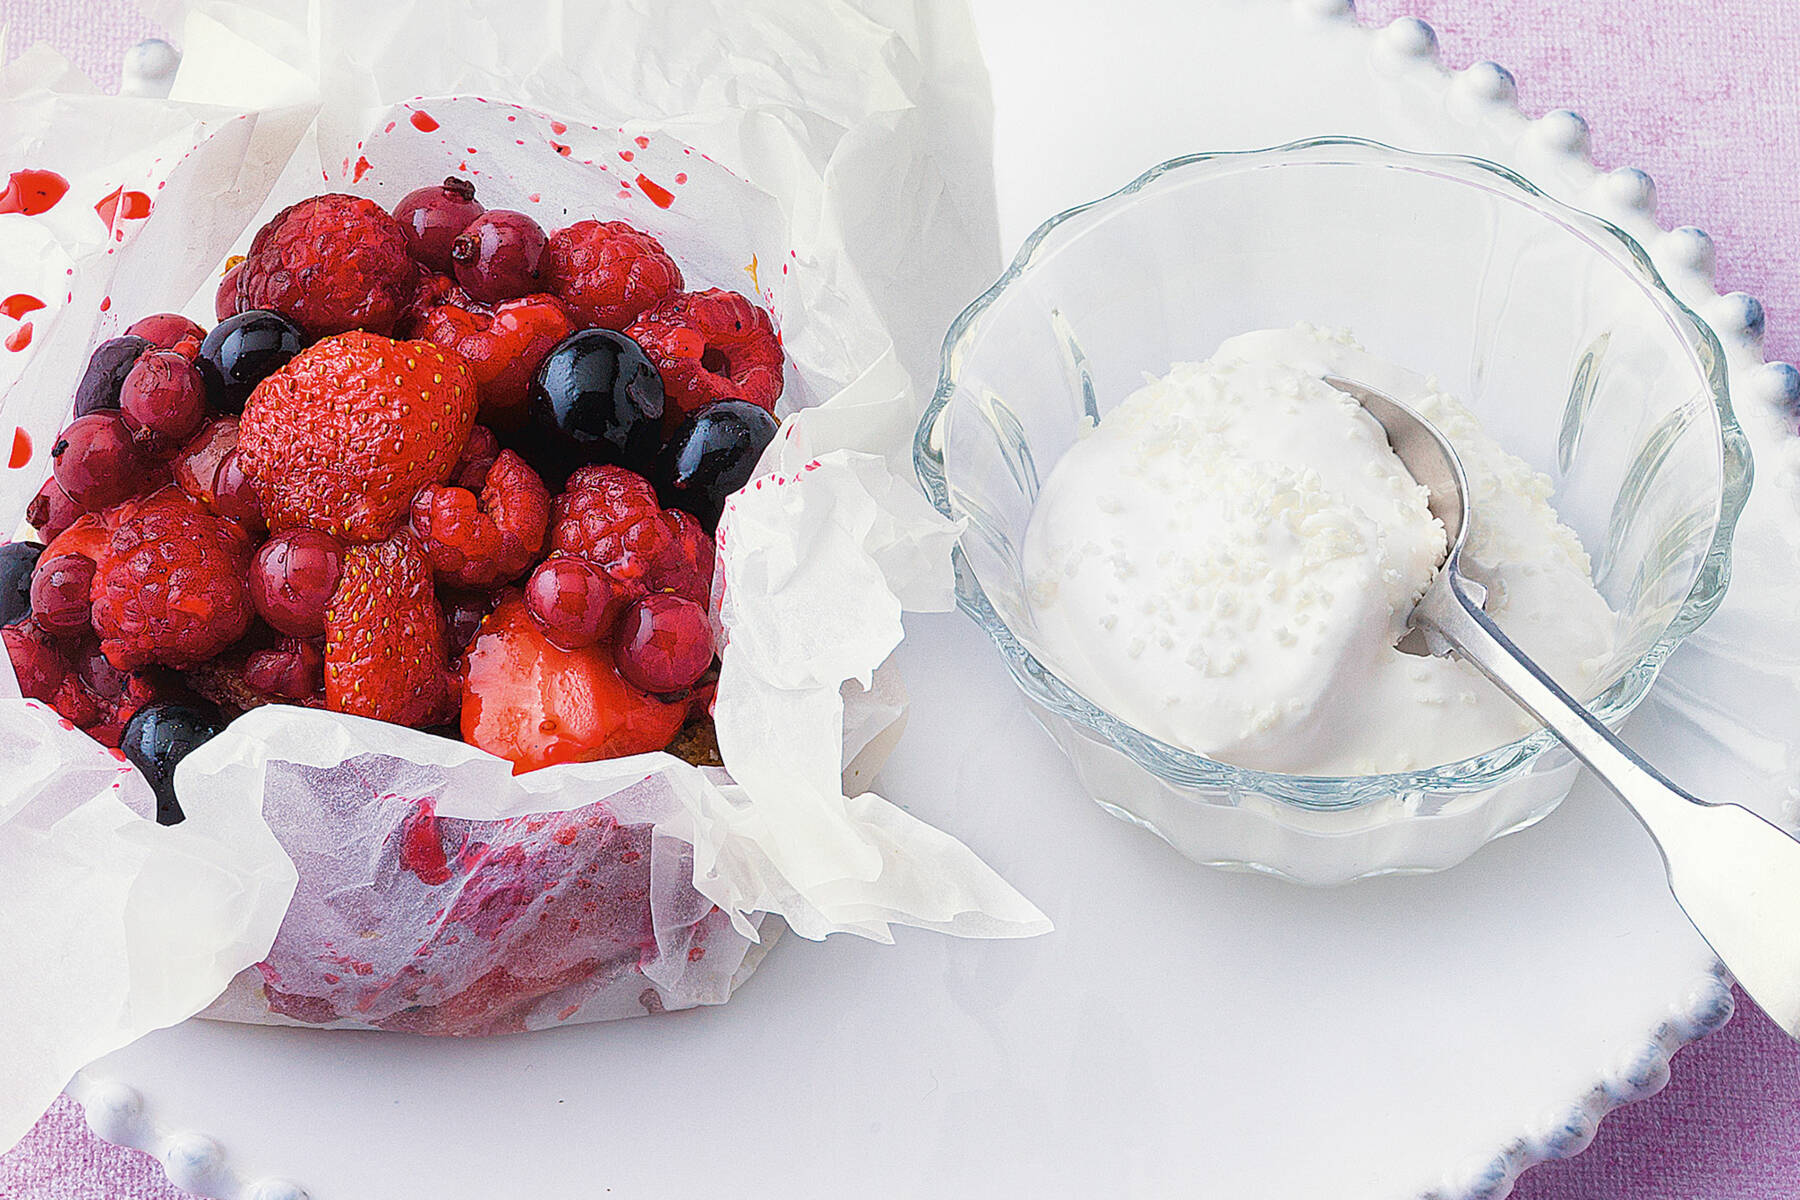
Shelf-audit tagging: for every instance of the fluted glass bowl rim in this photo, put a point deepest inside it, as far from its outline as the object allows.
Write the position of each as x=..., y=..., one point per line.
x=1476, y=774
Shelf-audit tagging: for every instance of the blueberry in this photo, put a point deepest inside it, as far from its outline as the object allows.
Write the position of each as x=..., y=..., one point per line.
x=241, y=352
x=112, y=361
x=712, y=454
x=17, y=561
x=598, y=397
x=158, y=737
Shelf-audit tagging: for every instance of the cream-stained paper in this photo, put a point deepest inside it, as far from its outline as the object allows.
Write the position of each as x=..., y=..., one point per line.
x=799, y=151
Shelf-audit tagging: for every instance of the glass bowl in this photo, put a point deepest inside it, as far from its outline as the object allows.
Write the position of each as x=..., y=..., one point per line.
x=1552, y=324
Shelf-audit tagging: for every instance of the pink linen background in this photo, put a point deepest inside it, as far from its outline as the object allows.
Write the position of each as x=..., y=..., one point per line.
x=1706, y=97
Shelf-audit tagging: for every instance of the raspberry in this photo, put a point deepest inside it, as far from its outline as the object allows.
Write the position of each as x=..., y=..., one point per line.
x=86, y=537
x=609, y=272
x=384, y=637
x=345, y=435
x=610, y=517
x=332, y=263
x=169, y=586
x=503, y=348
x=483, y=542
x=686, y=566
x=433, y=290
x=225, y=300
x=478, y=458
x=711, y=345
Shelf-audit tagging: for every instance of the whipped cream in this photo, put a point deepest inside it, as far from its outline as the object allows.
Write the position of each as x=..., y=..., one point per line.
x=1228, y=560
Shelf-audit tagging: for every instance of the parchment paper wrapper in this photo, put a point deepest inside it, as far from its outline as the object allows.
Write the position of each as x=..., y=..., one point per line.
x=792, y=151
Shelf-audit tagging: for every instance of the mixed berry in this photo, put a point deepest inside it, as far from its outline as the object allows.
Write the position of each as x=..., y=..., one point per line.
x=437, y=467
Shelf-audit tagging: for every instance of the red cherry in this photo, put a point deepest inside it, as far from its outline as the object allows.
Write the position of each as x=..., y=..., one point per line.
x=433, y=216
x=162, y=402
x=292, y=580
x=233, y=496
x=51, y=511
x=665, y=644
x=196, y=467
x=165, y=330
x=497, y=256
x=572, y=601
x=96, y=462
x=61, y=601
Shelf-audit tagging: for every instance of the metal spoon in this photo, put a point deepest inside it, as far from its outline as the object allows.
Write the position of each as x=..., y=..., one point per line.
x=1736, y=876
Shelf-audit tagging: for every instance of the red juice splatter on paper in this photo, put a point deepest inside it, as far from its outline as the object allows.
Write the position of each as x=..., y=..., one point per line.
x=32, y=192
x=17, y=305
x=21, y=449
x=423, y=122
x=121, y=204
x=558, y=127
x=560, y=148
x=627, y=155
x=659, y=195
x=643, y=143
x=19, y=338
x=362, y=167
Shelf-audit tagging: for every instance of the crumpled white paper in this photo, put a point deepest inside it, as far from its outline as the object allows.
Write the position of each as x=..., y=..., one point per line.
x=112, y=925
x=788, y=150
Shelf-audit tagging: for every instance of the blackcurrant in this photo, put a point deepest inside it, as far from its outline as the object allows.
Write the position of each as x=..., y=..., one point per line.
x=158, y=737
x=711, y=455
x=241, y=352
x=599, y=398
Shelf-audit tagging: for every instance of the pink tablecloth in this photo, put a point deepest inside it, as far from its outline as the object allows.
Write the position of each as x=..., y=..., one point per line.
x=1706, y=97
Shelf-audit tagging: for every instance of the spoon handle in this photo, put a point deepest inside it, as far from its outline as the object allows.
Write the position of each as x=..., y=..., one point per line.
x=1735, y=875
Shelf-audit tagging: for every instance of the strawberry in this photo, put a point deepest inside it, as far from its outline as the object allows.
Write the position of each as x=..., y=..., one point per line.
x=384, y=637
x=343, y=437
x=534, y=704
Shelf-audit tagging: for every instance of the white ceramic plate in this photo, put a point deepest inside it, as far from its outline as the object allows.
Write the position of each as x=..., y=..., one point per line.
x=1183, y=1030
